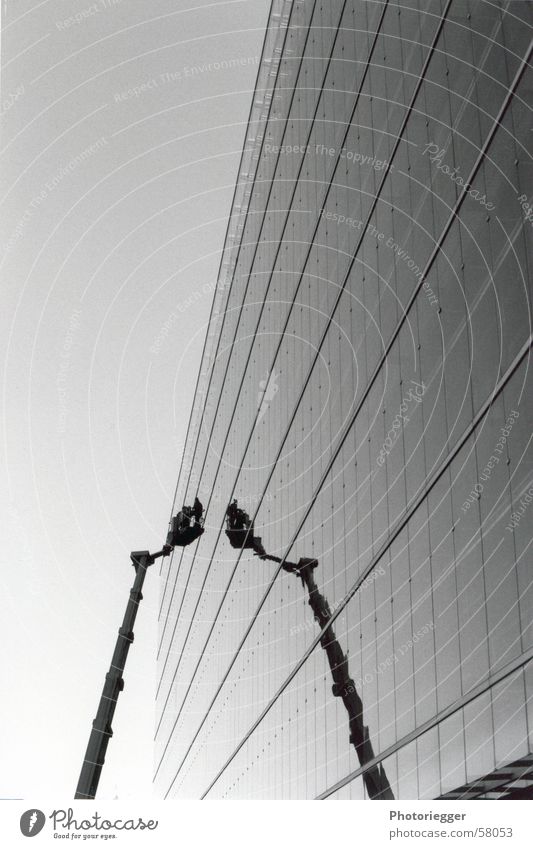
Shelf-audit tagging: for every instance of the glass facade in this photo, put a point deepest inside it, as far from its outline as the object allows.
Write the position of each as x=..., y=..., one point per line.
x=365, y=394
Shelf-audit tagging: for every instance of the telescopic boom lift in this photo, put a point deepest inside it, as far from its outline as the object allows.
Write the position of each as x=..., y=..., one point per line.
x=185, y=528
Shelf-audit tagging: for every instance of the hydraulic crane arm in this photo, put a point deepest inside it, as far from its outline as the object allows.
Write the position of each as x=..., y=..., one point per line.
x=375, y=779
x=101, y=729
x=240, y=532
x=184, y=529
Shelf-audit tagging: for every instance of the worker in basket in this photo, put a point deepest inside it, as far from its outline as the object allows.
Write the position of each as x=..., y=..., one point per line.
x=187, y=525
x=240, y=529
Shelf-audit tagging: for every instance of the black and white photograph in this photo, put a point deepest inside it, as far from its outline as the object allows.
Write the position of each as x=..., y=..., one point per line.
x=267, y=405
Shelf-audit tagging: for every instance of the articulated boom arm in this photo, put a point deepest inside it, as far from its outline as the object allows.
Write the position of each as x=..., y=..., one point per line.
x=375, y=779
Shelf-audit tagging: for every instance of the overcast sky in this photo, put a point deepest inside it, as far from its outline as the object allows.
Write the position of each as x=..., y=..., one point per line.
x=120, y=140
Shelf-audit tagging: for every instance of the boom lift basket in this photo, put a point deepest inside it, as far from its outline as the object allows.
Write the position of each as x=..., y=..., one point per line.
x=240, y=529
x=187, y=526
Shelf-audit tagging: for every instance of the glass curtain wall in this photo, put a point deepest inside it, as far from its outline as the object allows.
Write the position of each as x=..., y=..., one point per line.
x=365, y=394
